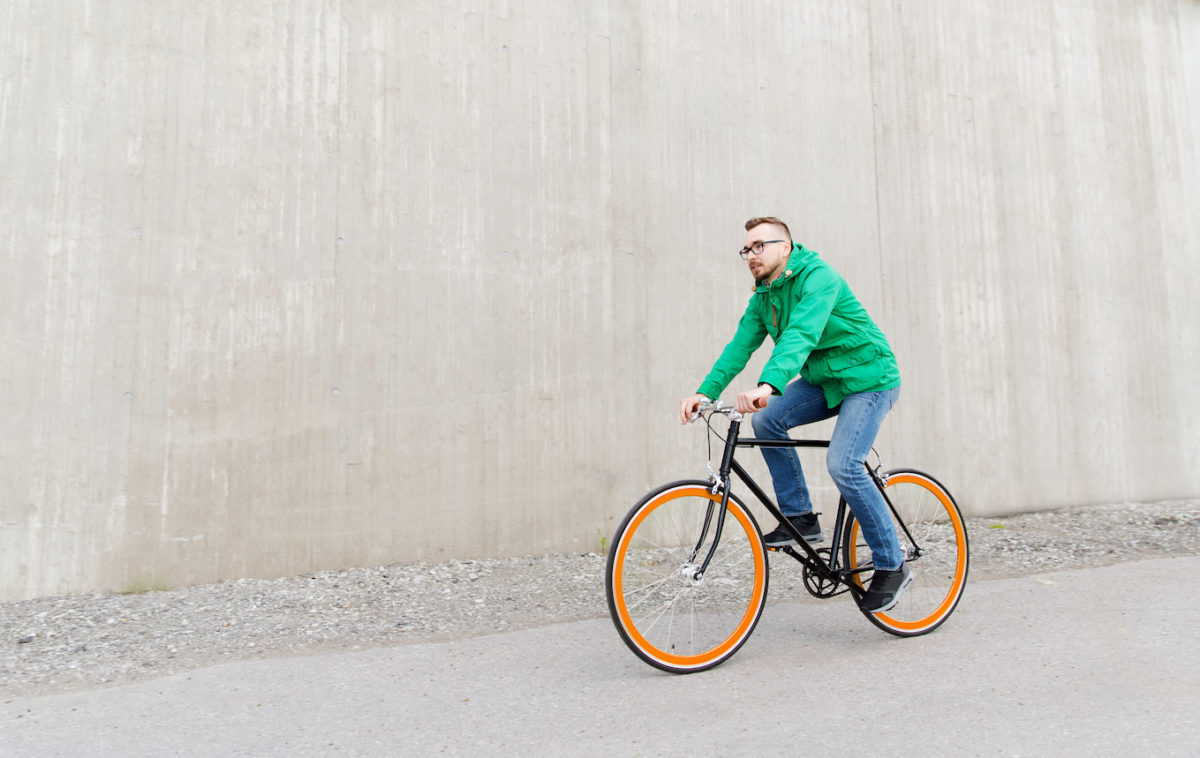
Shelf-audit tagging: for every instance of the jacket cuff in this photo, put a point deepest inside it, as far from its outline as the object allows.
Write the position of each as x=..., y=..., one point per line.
x=707, y=390
x=774, y=378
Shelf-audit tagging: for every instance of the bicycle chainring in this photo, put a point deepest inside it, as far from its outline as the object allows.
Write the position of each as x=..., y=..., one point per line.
x=819, y=586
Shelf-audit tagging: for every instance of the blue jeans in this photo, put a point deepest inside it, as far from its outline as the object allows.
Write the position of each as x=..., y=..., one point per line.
x=859, y=418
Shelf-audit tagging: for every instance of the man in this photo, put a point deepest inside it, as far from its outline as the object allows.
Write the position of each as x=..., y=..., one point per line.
x=829, y=360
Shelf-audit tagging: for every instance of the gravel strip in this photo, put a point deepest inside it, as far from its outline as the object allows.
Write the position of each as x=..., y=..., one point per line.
x=71, y=642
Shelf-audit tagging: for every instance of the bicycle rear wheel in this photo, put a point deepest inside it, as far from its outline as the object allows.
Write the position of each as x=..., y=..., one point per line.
x=665, y=615
x=935, y=548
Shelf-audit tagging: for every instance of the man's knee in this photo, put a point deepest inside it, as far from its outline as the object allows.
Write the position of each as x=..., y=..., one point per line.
x=764, y=424
x=845, y=471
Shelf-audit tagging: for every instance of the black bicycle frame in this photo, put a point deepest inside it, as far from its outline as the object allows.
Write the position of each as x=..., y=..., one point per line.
x=826, y=570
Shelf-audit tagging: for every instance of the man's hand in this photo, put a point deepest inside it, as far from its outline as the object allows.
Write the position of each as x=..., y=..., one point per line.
x=755, y=399
x=688, y=406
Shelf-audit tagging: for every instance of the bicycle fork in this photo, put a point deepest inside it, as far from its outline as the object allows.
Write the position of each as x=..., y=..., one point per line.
x=722, y=483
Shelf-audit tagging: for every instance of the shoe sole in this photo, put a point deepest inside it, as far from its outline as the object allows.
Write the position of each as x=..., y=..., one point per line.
x=896, y=598
x=813, y=540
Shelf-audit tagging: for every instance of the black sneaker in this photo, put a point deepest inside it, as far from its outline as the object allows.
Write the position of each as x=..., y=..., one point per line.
x=806, y=523
x=886, y=589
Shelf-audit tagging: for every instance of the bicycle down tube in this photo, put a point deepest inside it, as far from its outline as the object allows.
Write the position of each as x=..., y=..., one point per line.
x=811, y=558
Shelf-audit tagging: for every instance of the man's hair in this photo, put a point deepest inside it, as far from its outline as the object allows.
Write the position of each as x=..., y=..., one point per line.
x=767, y=220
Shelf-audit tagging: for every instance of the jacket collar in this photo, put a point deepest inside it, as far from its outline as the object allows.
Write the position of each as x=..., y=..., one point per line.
x=797, y=261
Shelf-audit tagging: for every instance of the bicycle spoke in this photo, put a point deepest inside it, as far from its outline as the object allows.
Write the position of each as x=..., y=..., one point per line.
x=692, y=619
x=739, y=559
x=648, y=595
x=666, y=607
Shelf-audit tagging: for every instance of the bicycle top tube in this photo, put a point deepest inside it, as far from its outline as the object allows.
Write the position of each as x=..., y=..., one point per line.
x=755, y=442
x=735, y=415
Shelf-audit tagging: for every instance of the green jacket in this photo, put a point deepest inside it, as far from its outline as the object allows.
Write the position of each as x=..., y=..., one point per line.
x=821, y=332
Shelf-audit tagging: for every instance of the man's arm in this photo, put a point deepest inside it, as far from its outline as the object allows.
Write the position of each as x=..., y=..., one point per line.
x=749, y=336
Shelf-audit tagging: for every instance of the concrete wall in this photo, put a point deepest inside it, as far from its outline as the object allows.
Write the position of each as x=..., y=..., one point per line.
x=313, y=284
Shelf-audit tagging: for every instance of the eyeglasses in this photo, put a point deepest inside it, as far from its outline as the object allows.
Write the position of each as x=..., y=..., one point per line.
x=756, y=248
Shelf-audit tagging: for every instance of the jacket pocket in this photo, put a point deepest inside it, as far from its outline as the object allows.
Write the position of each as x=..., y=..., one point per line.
x=845, y=360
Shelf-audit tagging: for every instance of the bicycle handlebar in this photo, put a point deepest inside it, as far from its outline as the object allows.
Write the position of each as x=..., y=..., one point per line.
x=716, y=406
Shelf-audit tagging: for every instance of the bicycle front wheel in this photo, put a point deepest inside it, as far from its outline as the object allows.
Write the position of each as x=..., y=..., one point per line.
x=933, y=537
x=670, y=618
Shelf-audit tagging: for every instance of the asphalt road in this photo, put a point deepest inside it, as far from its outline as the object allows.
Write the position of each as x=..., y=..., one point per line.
x=1092, y=662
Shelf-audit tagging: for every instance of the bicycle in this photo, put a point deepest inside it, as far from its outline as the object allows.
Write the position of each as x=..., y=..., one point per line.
x=687, y=571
